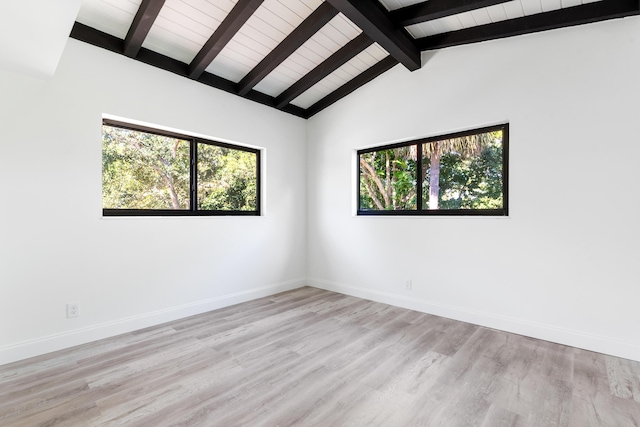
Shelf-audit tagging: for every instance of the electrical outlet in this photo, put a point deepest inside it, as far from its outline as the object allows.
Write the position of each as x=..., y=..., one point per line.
x=408, y=285
x=73, y=309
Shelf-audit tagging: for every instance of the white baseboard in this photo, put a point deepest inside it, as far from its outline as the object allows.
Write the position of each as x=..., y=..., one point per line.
x=584, y=340
x=47, y=344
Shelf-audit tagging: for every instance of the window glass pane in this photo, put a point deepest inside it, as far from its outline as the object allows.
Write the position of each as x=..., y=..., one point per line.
x=143, y=171
x=388, y=179
x=463, y=172
x=227, y=179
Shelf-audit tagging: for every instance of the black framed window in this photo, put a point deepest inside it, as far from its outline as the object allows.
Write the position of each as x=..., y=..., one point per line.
x=151, y=172
x=463, y=173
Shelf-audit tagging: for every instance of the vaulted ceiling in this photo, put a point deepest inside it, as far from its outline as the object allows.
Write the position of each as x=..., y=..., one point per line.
x=300, y=56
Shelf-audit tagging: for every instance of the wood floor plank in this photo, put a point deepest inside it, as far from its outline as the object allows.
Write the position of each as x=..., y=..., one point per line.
x=623, y=382
x=500, y=417
x=310, y=357
x=457, y=336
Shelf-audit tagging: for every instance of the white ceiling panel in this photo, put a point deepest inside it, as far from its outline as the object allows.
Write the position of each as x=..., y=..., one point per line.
x=217, y=9
x=109, y=16
x=329, y=39
x=397, y=4
x=357, y=65
x=168, y=43
x=238, y=61
x=449, y=23
x=513, y=9
x=481, y=16
x=570, y=3
x=549, y=5
x=184, y=26
x=465, y=20
x=496, y=13
x=531, y=7
x=301, y=7
x=272, y=22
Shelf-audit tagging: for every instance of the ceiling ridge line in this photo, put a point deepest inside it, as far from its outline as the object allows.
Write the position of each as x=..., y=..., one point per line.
x=374, y=20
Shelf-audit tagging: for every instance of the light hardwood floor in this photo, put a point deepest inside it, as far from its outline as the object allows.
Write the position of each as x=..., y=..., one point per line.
x=309, y=357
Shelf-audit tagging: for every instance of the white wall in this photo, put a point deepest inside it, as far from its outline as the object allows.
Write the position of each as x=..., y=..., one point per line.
x=564, y=265
x=128, y=273
x=33, y=34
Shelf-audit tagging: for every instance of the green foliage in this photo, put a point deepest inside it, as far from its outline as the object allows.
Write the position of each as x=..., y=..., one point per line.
x=147, y=171
x=226, y=179
x=474, y=182
x=144, y=171
x=388, y=179
x=470, y=174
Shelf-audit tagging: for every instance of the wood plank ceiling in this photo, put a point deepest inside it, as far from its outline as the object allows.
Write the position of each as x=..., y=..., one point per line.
x=300, y=56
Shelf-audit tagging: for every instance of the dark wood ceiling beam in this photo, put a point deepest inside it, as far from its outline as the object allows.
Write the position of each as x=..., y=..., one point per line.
x=98, y=38
x=353, y=84
x=144, y=19
x=577, y=15
x=375, y=22
x=328, y=66
x=240, y=13
x=318, y=19
x=435, y=9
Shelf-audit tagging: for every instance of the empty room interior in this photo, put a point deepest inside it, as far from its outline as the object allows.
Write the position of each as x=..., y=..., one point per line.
x=438, y=225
